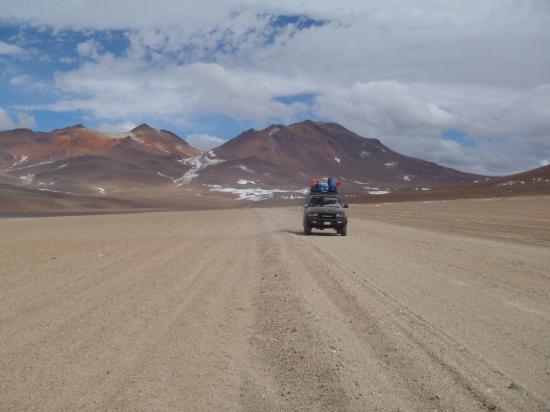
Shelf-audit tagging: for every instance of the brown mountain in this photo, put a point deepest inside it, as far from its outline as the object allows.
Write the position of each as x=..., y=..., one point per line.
x=23, y=146
x=76, y=160
x=286, y=156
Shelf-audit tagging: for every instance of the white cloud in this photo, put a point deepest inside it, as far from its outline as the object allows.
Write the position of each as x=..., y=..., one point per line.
x=20, y=80
x=123, y=87
x=204, y=141
x=7, y=48
x=88, y=49
x=120, y=127
x=390, y=69
x=67, y=60
x=25, y=82
x=383, y=105
x=22, y=120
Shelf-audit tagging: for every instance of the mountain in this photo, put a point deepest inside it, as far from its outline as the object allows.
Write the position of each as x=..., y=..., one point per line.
x=289, y=156
x=77, y=160
x=153, y=168
x=22, y=146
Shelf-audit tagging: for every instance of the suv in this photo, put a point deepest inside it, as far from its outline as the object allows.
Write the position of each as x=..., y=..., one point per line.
x=323, y=211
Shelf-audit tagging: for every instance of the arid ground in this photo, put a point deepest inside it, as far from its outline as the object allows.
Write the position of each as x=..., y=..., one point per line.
x=423, y=306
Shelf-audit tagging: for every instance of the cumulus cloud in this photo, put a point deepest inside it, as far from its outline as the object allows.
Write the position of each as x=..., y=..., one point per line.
x=383, y=105
x=120, y=88
x=204, y=141
x=22, y=120
x=20, y=79
x=398, y=71
x=88, y=49
x=120, y=127
x=7, y=49
x=67, y=60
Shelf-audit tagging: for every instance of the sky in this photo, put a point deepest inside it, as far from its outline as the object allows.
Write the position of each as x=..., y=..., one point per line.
x=465, y=83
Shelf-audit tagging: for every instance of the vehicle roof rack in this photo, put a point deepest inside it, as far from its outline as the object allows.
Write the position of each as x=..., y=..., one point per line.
x=318, y=192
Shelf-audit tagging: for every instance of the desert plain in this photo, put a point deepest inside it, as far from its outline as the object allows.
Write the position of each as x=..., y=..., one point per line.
x=440, y=305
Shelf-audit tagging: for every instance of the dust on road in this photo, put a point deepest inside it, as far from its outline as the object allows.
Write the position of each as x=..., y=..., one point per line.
x=236, y=310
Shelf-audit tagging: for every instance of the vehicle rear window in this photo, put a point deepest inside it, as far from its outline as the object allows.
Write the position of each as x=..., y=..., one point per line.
x=324, y=201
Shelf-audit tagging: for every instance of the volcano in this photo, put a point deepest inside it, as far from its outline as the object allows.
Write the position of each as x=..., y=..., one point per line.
x=289, y=156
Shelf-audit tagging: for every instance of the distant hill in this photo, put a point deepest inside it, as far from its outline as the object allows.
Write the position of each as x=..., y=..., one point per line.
x=534, y=182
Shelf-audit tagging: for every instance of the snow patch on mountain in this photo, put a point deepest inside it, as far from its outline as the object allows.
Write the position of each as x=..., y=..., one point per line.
x=23, y=159
x=137, y=139
x=245, y=169
x=35, y=164
x=166, y=176
x=257, y=194
x=28, y=178
x=46, y=189
x=197, y=164
x=511, y=183
x=364, y=154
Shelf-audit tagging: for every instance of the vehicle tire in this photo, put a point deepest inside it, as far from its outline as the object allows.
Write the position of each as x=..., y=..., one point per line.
x=307, y=229
x=344, y=230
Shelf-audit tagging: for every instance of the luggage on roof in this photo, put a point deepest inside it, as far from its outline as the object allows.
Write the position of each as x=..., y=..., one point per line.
x=324, y=185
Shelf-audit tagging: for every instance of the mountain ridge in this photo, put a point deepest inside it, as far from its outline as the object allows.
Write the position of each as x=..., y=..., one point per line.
x=149, y=166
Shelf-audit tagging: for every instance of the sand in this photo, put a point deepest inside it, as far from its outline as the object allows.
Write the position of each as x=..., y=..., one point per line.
x=424, y=306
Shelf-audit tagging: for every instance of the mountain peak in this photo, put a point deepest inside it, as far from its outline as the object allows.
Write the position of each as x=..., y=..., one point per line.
x=77, y=126
x=142, y=127
x=273, y=127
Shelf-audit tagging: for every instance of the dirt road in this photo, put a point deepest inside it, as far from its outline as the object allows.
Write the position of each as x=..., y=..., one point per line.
x=236, y=310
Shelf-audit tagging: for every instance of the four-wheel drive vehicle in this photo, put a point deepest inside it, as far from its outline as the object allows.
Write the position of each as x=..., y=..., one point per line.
x=323, y=211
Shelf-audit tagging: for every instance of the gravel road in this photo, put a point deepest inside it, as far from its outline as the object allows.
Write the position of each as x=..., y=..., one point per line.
x=237, y=310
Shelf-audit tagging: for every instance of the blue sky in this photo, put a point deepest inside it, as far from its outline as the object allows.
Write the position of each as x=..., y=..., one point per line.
x=468, y=87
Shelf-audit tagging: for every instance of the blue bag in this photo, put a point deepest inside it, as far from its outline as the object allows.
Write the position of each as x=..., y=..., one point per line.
x=332, y=184
x=323, y=186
